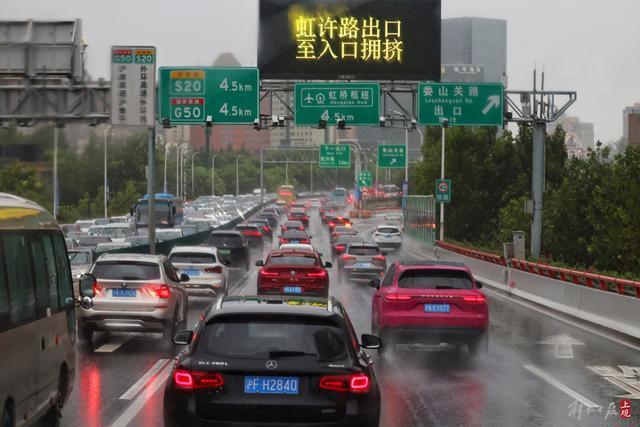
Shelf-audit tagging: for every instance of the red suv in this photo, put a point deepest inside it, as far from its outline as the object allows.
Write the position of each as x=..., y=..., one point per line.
x=430, y=302
x=294, y=272
x=297, y=214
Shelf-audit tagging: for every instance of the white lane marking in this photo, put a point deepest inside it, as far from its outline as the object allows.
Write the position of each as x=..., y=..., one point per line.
x=564, y=345
x=544, y=312
x=557, y=384
x=113, y=345
x=129, y=414
x=567, y=321
x=626, y=378
x=139, y=385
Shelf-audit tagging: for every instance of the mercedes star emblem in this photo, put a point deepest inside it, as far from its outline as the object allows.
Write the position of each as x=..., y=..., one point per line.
x=271, y=364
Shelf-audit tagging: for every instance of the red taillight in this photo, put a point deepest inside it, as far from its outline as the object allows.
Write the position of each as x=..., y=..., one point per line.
x=354, y=383
x=267, y=273
x=216, y=269
x=192, y=380
x=475, y=299
x=347, y=257
x=265, y=228
x=284, y=241
x=252, y=233
x=332, y=224
x=397, y=297
x=98, y=288
x=305, y=241
x=379, y=258
x=300, y=228
x=321, y=274
x=340, y=247
x=158, y=291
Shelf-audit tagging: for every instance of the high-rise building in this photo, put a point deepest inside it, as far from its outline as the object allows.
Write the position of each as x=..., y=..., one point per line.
x=633, y=120
x=627, y=120
x=474, y=42
x=579, y=133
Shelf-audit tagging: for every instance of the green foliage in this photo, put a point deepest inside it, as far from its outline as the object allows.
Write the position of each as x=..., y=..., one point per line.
x=22, y=180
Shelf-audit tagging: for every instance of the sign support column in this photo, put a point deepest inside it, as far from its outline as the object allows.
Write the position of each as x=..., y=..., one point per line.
x=537, y=184
x=445, y=124
x=151, y=190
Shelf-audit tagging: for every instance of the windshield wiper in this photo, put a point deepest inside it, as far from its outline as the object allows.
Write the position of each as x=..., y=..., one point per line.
x=275, y=354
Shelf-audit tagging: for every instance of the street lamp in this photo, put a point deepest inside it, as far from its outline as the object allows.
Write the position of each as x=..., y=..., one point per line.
x=179, y=152
x=165, y=186
x=193, y=175
x=213, y=174
x=107, y=129
x=237, y=176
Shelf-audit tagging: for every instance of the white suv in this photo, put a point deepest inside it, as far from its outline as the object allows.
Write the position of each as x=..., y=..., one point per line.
x=388, y=236
x=207, y=273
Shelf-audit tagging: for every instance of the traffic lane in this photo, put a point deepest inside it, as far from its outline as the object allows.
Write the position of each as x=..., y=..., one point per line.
x=113, y=365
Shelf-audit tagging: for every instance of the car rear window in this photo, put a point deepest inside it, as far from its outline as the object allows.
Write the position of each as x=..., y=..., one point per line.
x=364, y=250
x=296, y=234
x=341, y=240
x=435, y=279
x=293, y=260
x=319, y=339
x=192, y=258
x=126, y=270
x=388, y=230
x=293, y=224
x=225, y=240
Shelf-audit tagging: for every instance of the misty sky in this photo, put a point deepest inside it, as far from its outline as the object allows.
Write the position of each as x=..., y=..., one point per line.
x=589, y=46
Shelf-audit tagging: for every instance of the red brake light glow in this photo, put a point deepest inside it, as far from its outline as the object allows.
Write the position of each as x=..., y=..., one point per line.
x=475, y=299
x=354, y=383
x=317, y=274
x=347, y=257
x=267, y=273
x=284, y=240
x=216, y=269
x=340, y=247
x=192, y=380
x=158, y=291
x=378, y=258
x=98, y=288
x=397, y=297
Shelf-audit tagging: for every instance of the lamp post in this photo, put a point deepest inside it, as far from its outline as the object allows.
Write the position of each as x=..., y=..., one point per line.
x=165, y=185
x=193, y=175
x=107, y=129
x=213, y=174
x=237, y=176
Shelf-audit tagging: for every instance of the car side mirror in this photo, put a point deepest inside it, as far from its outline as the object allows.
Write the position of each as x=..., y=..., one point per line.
x=310, y=237
x=259, y=263
x=183, y=337
x=87, y=283
x=375, y=283
x=479, y=285
x=370, y=341
x=184, y=277
x=327, y=264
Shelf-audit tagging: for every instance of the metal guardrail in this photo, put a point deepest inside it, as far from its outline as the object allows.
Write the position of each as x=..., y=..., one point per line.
x=596, y=281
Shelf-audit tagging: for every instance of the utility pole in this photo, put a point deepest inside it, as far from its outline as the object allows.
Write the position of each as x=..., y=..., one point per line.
x=261, y=176
x=106, y=182
x=445, y=124
x=193, y=175
x=237, y=176
x=151, y=191
x=213, y=174
x=56, y=195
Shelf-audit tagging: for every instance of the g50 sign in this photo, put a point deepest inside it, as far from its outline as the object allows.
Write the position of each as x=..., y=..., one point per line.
x=350, y=39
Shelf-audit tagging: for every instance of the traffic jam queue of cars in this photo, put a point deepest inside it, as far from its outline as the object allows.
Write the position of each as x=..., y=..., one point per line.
x=286, y=356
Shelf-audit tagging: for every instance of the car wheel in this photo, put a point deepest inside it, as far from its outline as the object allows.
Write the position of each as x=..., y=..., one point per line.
x=85, y=333
x=169, y=329
x=52, y=417
x=7, y=416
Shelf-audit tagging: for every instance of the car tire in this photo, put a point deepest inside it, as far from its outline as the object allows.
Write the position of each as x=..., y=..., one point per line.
x=85, y=334
x=53, y=415
x=170, y=327
x=7, y=419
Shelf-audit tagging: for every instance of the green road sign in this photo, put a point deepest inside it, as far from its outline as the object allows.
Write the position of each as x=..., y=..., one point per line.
x=443, y=191
x=364, y=179
x=188, y=95
x=335, y=156
x=358, y=104
x=463, y=104
x=392, y=156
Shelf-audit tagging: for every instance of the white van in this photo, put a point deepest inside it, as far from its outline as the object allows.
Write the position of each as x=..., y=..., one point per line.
x=37, y=315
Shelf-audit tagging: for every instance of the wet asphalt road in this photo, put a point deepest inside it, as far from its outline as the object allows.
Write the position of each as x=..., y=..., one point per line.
x=529, y=378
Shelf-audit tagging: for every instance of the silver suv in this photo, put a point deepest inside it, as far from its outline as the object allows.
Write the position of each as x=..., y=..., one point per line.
x=135, y=292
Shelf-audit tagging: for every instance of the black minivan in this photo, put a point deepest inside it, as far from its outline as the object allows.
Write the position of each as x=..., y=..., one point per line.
x=233, y=248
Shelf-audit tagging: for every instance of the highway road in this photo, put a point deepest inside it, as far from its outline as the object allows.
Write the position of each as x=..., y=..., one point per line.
x=541, y=370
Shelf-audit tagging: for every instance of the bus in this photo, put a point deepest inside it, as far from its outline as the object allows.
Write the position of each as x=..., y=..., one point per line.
x=37, y=315
x=339, y=198
x=287, y=194
x=169, y=211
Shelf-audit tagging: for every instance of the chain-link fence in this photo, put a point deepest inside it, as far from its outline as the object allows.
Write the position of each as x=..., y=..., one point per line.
x=420, y=218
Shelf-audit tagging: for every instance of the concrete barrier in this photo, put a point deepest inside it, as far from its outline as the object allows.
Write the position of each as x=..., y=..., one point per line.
x=619, y=313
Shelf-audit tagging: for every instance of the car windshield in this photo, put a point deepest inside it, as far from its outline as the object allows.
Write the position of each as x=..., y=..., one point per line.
x=80, y=258
x=435, y=279
x=192, y=258
x=388, y=230
x=126, y=270
x=292, y=260
x=266, y=338
x=364, y=250
x=225, y=240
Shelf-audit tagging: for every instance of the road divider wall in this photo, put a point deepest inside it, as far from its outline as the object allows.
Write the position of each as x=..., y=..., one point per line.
x=605, y=301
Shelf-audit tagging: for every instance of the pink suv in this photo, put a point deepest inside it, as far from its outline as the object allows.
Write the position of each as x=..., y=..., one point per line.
x=430, y=302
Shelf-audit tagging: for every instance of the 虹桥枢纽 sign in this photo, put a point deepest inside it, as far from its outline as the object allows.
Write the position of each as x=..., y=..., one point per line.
x=357, y=104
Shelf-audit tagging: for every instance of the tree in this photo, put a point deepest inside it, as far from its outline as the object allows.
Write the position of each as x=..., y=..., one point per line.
x=22, y=180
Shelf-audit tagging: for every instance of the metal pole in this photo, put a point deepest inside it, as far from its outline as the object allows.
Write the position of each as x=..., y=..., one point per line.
x=444, y=133
x=106, y=182
x=539, y=134
x=406, y=163
x=165, y=186
x=151, y=191
x=286, y=172
x=183, y=176
x=237, y=176
x=311, y=177
x=261, y=176
x=55, y=170
x=207, y=136
x=193, y=176
x=178, y=148
x=213, y=175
